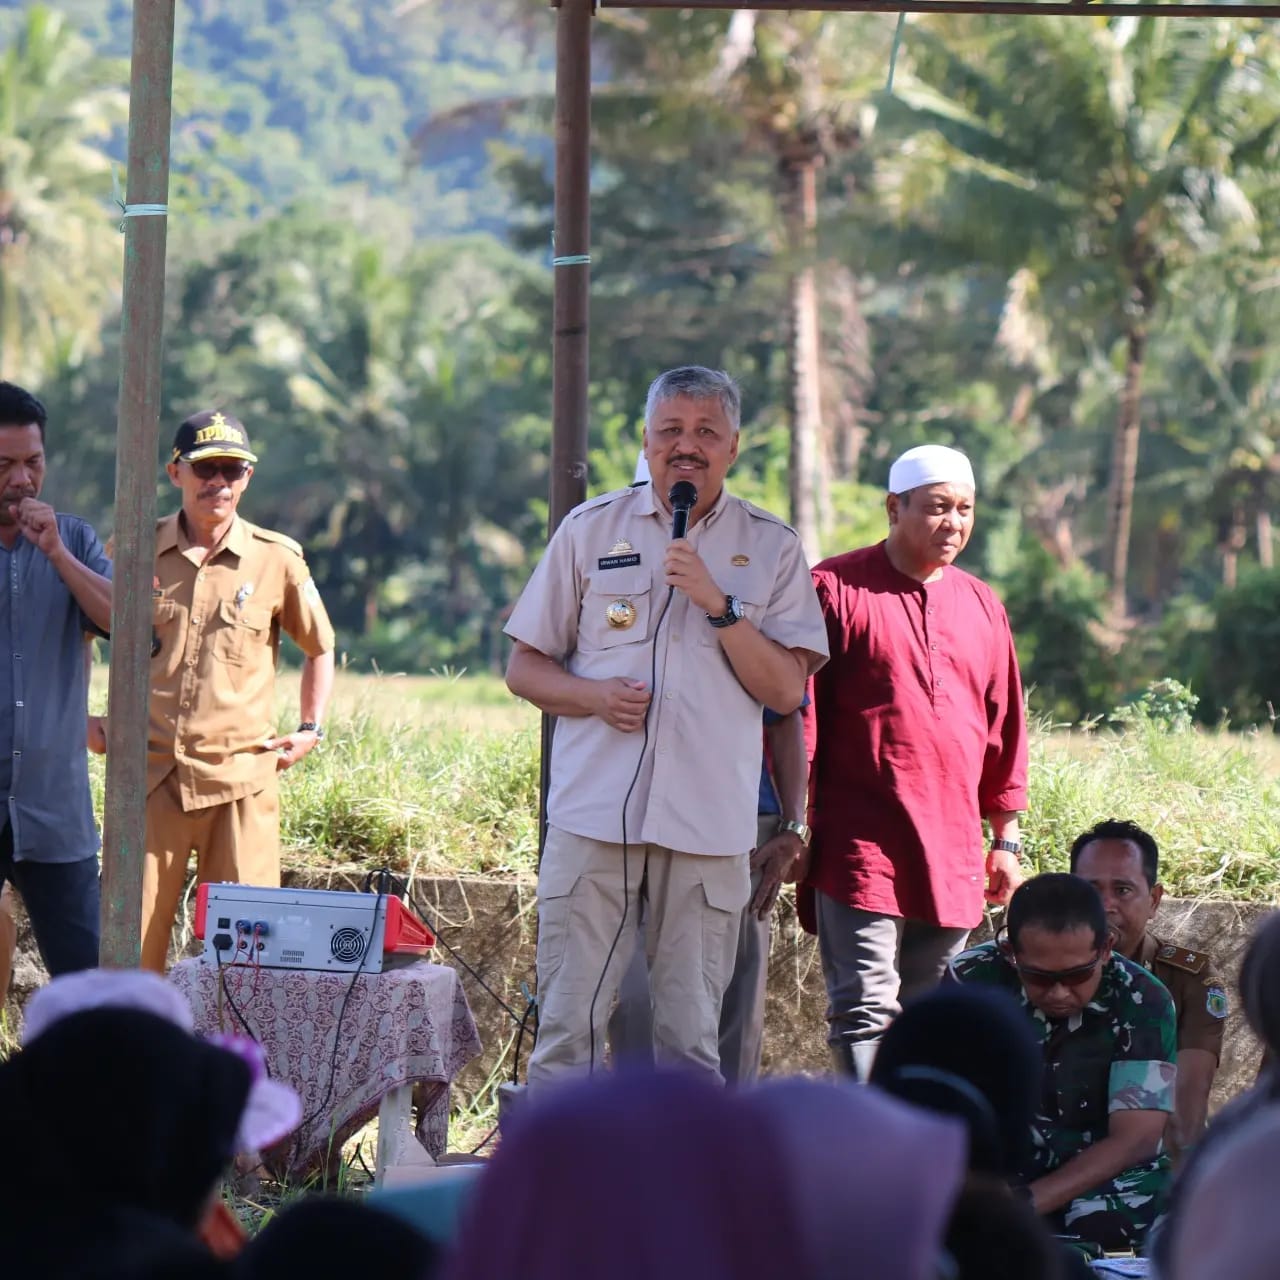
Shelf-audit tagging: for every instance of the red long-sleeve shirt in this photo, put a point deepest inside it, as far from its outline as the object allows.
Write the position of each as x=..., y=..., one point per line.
x=919, y=733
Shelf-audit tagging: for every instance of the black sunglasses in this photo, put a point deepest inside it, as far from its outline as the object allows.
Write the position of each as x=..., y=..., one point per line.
x=1076, y=976
x=230, y=471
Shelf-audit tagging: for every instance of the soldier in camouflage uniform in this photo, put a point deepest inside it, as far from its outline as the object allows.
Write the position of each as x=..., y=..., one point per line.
x=1097, y=1168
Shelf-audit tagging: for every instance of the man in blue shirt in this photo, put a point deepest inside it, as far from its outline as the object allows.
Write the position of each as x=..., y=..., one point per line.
x=56, y=586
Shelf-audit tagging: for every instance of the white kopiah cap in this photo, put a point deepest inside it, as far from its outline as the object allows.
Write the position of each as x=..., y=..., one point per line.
x=642, y=470
x=930, y=464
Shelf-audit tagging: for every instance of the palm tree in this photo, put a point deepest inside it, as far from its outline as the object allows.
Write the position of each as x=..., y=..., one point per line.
x=1219, y=406
x=59, y=104
x=1102, y=157
x=396, y=424
x=749, y=94
x=793, y=88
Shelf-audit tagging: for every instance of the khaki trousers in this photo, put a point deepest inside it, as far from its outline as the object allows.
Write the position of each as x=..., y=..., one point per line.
x=693, y=907
x=238, y=840
x=741, y=1011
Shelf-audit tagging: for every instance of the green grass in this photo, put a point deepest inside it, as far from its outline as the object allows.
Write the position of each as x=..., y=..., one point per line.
x=439, y=775
x=429, y=774
x=1211, y=799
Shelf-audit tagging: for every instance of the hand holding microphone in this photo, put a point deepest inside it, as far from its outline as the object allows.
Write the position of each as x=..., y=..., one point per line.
x=684, y=568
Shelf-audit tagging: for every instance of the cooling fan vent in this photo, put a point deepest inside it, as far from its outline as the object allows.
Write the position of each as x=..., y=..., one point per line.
x=347, y=944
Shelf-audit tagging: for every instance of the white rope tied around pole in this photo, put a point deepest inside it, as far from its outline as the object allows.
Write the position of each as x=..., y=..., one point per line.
x=133, y=210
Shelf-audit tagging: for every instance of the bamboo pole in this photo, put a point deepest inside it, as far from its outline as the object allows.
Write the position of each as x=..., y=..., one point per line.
x=142, y=327
x=572, y=281
x=570, y=260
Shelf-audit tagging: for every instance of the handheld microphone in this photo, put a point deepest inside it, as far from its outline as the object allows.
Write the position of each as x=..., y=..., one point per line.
x=682, y=497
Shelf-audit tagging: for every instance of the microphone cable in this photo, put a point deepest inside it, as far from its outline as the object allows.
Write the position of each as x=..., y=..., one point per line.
x=682, y=497
x=635, y=777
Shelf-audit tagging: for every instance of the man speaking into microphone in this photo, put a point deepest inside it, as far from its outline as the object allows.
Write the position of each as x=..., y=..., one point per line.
x=657, y=655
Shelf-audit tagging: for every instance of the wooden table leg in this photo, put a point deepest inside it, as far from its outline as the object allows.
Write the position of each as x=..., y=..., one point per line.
x=394, y=1115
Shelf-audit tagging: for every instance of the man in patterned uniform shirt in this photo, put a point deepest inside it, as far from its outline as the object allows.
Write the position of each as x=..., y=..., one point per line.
x=1097, y=1169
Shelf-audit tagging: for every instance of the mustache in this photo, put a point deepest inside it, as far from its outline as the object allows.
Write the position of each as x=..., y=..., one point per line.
x=216, y=492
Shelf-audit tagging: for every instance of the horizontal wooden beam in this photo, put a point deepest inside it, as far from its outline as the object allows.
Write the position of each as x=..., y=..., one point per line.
x=1063, y=8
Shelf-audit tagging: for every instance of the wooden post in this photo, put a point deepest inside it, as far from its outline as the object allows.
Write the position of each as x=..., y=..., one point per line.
x=571, y=263
x=142, y=325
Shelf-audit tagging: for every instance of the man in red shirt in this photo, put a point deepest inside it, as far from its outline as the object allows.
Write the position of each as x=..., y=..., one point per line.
x=918, y=731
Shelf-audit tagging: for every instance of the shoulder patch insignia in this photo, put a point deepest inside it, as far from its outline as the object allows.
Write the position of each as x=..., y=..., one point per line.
x=1215, y=1001
x=1182, y=958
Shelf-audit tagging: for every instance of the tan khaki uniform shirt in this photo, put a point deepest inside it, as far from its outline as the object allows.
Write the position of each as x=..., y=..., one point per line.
x=699, y=780
x=213, y=680
x=1199, y=996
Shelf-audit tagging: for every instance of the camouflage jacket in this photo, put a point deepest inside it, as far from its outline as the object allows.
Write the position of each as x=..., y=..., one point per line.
x=1117, y=1054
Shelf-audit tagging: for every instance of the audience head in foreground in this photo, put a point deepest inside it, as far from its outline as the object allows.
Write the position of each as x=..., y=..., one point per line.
x=120, y=1107
x=125, y=1117
x=645, y=1176
x=1260, y=985
x=968, y=1052
x=1228, y=1228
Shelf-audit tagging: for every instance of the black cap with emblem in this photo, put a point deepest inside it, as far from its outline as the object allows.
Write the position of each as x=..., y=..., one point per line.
x=211, y=434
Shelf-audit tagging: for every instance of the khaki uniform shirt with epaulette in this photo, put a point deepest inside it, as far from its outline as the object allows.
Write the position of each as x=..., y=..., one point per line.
x=598, y=604
x=218, y=623
x=1199, y=996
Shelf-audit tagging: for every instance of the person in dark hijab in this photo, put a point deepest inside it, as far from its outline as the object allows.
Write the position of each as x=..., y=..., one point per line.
x=992, y=1235
x=106, y=1242
x=967, y=1052
x=329, y=1236
x=115, y=1109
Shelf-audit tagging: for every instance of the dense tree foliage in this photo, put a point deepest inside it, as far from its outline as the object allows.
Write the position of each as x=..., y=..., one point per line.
x=1052, y=243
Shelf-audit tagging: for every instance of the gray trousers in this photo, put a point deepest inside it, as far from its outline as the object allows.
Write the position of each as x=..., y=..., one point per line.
x=741, y=1013
x=874, y=964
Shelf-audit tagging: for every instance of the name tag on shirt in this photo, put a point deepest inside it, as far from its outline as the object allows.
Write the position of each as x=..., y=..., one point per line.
x=619, y=561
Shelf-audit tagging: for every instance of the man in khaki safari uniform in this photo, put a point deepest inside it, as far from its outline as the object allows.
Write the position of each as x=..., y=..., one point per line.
x=666, y=687
x=224, y=590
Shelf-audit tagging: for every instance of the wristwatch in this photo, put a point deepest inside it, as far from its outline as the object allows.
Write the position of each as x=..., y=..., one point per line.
x=310, y=726
x=1008, y=846
x=802, y=829
x=733, y=612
